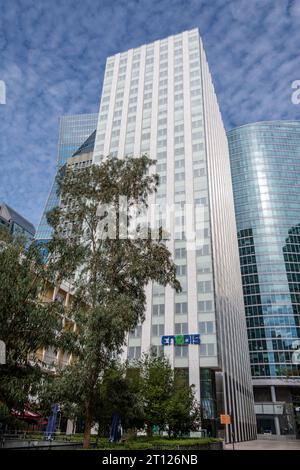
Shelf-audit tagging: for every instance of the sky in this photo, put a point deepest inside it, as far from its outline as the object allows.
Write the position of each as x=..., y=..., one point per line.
x=52, y=58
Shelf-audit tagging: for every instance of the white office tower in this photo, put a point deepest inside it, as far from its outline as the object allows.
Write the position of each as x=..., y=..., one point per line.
x=159, y=99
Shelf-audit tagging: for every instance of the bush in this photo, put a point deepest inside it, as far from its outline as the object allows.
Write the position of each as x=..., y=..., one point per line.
x=146, y=443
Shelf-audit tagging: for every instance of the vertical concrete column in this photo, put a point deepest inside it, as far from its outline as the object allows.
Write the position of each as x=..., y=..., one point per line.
x=276, y=418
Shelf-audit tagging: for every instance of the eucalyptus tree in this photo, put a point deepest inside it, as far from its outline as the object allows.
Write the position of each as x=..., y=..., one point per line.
x=93, y=246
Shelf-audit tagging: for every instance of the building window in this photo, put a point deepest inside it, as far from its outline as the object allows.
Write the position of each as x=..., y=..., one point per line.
x=136, y=333
x=181, y=270
x=158, y=330
x=181, y=328
x=180, y=253
x=181, y=307
x=205, y=306
x=179, y=176
x=134, y=352
x=181, y=351
x=179, y=151
x=158, y=310
x=206, y=327
x=203, y=251
x=204, y=286
x=207, y=349
x=157, y=351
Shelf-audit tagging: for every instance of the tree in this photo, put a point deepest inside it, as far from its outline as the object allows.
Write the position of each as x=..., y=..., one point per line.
x=157, y=377
x=109, y=273
x=120, y=393
x=27, y=323
x=182, y=411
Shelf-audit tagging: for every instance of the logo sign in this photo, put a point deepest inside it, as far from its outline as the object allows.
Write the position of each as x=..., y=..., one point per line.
x=225, y=419
x=180, y=340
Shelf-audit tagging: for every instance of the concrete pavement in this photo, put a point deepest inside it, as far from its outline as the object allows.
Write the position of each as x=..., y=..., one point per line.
x=266, y=444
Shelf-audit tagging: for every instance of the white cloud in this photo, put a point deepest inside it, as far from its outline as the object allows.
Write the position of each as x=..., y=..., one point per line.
x=53, y=54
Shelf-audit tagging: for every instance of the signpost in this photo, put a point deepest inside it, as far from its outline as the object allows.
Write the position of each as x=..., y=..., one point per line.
x=226, y=419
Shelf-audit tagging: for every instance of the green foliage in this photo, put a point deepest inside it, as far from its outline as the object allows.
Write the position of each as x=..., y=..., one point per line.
x=157, y=377
x=120, y=393
x=109, y=274
x=156, y=442
x=182, y=411
x=169, y=402
x=26, y=323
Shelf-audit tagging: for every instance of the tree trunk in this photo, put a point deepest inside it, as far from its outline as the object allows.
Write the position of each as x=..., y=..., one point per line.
x=87, y=427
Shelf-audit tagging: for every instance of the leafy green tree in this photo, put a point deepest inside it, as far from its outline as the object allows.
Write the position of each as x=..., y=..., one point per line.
x=109, y=273
x=27, y=323
x=182, y=410
x=120, y=393
x=157, y=377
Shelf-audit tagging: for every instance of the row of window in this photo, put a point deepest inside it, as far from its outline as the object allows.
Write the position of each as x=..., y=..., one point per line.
x=288, y=309
x=182, y=307
x=272, y=299
x=163, y=53
x=271, y=268
x=207, y=327
x=271, y=344
x=275, y=370
x=181, y=270
x=292, y=277
x=269, y=259
x=145, y=140
x=269, y=357
x=272, y=321
x=276, y=333
x=209, y=349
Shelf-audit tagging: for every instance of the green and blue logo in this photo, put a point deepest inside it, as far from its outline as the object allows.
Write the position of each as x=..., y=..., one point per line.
x=180, y=340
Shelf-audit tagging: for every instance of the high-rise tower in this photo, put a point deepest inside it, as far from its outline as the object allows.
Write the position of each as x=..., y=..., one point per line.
x=265, y=161
x=159, y=99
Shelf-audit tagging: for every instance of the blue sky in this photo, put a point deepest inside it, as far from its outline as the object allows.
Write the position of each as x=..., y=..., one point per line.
x=52, y=57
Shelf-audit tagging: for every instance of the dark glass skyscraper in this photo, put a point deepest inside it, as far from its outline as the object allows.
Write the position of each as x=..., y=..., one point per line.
x=265, y=164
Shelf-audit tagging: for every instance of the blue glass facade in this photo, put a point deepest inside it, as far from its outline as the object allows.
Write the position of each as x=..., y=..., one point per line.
x=74, y=132
x=16, y=223
x=265, y=165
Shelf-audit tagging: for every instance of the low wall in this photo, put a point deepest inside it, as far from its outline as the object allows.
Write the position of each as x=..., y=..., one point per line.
x=209, y=446
x=18, y=444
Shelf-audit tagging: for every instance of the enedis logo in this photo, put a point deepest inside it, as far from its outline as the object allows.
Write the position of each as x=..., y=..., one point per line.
x=180, y=340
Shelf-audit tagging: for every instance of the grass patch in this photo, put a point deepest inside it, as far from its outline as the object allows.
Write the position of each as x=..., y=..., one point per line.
x=141, y=443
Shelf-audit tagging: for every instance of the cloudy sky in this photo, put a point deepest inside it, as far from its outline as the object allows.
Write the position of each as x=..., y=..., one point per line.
x=52, y=56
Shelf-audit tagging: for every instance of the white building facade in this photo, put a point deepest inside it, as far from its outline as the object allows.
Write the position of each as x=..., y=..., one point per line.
x=159, y=99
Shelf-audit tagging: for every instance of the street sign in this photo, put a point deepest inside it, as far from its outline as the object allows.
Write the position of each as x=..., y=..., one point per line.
x=225, y=419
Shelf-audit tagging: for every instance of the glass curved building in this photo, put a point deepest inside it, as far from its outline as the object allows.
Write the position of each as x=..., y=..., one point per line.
x=265, y=165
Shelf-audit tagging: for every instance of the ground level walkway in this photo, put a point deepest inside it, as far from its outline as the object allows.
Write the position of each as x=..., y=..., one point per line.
x=266, y=444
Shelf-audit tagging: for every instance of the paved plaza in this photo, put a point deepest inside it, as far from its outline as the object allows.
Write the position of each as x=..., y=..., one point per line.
x=266, y=444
